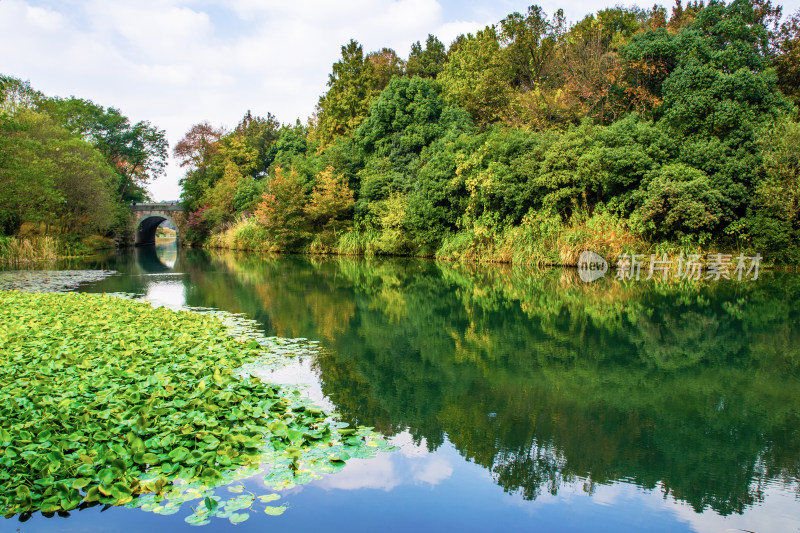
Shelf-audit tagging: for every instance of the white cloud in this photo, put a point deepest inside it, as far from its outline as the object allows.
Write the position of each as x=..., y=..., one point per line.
x=43, y=18
x=412, y=464
x=377, y=473
x=433, y=471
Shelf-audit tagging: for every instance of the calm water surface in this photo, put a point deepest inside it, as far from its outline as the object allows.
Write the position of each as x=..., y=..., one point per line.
x=520, y=400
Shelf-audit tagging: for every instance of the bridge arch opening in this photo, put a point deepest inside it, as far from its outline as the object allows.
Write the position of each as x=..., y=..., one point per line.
x=146, y=229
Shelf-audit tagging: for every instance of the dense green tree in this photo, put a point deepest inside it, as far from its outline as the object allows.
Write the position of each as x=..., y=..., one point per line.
x=292, y=141
x=530, y=43
x=427, y=63
x=717, y=91
x=138, y=151
x=408, y=115
x=646, y=127
x=27, y=187
x=773, y=221
x=248, y=194
x=680, y=201
x=51, y=177
x=591, y=165
x=477, y=77
x=259, y=133
x=436, y=202
x=17, y=94
x=352, y=84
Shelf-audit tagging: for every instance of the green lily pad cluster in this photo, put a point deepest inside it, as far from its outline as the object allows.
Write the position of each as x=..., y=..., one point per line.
x=106, y=400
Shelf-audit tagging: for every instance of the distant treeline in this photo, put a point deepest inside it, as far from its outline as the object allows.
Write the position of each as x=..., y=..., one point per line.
x=69, y=167
x=631, y=130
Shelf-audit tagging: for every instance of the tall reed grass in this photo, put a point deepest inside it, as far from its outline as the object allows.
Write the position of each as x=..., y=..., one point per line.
x=243, y=234
x=16, y=250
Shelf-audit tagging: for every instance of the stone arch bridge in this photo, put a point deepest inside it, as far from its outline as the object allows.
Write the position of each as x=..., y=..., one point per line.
x=145, y=219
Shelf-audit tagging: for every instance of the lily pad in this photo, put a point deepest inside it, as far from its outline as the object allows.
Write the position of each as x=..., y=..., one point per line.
x=133, y=402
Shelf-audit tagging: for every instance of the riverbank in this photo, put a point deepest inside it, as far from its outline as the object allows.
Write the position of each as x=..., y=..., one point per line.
x=536, y=242
x=30, y=249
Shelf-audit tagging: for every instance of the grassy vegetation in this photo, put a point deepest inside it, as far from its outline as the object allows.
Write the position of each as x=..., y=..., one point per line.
x=243, y=234
x=540, y=239
x=32, y=248
x=15, y=250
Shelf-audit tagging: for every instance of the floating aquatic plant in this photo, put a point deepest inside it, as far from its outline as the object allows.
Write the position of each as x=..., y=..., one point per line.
x=49, y=280
x=111, y=401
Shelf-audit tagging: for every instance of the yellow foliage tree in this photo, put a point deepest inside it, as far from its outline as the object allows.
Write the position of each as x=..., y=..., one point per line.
x=281, y=210
x=330, y=202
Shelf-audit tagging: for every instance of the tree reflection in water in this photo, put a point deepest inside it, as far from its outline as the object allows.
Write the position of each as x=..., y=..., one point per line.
x=692, y=388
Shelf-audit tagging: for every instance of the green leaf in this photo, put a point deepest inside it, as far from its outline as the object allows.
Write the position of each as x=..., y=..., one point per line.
x=238, y=518
x=179, y=455
x=106, y=476
x=130, y=400
x=210, y=503
x=81, y=482
x=120, y=490
x=196, y=520
x=151, y=458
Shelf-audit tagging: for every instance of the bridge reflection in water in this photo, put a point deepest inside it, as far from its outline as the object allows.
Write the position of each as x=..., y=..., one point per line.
x=157, y=259
x=146, y=218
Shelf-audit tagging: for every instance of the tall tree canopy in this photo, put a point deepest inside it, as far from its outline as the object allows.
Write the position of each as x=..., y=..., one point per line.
x=137, y=151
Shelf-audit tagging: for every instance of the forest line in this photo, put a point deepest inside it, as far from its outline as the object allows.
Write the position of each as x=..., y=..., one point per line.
x=630, y=131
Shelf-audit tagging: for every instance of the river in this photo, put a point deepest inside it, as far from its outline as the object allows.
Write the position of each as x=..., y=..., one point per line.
x=519, y=399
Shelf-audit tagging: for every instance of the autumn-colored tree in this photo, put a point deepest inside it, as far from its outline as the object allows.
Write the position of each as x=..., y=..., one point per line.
x=235, y=149
x=591, y=71
x=385, y=66
x=198, y=145
x=683, y=17
x=197, y=151
x=330, y=202
x=282, y=209
x=221, y=197
x=787, y=60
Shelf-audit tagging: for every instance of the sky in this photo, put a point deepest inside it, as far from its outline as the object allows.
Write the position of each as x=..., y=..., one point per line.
x=175, y=63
